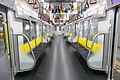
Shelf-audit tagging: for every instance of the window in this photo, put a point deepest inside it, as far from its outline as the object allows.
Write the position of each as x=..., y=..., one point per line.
x=29, y=29
x=26, y=30
x=33, y=30
x=90, y=27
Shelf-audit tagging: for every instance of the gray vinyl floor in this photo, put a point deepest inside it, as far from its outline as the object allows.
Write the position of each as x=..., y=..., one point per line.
x=61, y=63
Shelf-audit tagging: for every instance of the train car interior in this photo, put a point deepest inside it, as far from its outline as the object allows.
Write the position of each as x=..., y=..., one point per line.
x=59, y=40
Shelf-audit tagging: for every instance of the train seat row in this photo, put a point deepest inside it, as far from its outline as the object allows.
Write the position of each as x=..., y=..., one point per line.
x=88, y=53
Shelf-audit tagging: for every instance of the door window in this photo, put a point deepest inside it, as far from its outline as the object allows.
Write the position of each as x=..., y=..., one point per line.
x=2, y=39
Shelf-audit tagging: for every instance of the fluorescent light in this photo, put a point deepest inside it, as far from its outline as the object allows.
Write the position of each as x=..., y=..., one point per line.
x=79, y=0
x=41, y=0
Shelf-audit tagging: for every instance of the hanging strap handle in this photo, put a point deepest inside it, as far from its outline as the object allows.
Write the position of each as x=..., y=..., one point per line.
x=93, y=2
x=86, y=4
x=81, y=12
x=50, y=8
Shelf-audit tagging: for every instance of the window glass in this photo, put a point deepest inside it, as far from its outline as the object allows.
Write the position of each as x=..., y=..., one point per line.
x=85, y=28
x=26, y=30
x=90, y=27
x=33, y=30
x=29, y=30
x=40, y=29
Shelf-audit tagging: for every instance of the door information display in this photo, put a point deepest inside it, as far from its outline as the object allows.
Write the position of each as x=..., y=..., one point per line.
x=115, y=1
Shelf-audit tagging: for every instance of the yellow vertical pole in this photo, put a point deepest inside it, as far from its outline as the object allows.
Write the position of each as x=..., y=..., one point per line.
x=6, y=35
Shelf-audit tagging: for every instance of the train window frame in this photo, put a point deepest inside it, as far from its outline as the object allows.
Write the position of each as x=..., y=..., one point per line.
x=3, y=31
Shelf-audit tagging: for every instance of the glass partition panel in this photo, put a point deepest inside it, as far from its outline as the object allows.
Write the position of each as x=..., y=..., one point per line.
x=96, y=59
x=26, y=60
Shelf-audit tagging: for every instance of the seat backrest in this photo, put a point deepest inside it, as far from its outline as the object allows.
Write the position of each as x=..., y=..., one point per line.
x=26, y=49
x=96, y=47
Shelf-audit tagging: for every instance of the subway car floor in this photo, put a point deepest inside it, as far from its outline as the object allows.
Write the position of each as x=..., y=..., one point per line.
x=60, y=62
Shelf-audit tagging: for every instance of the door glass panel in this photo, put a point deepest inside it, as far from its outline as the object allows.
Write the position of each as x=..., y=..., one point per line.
x=2, y=40
x=5, y=69
x=117, y=52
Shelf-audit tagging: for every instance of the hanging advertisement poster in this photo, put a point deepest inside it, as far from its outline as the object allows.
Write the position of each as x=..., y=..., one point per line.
x=60, y=8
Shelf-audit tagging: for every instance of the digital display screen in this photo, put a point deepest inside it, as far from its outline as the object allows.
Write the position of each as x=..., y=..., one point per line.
x=115, y=1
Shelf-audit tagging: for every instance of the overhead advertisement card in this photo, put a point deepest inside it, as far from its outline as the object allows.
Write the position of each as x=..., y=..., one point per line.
x=60, y=8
